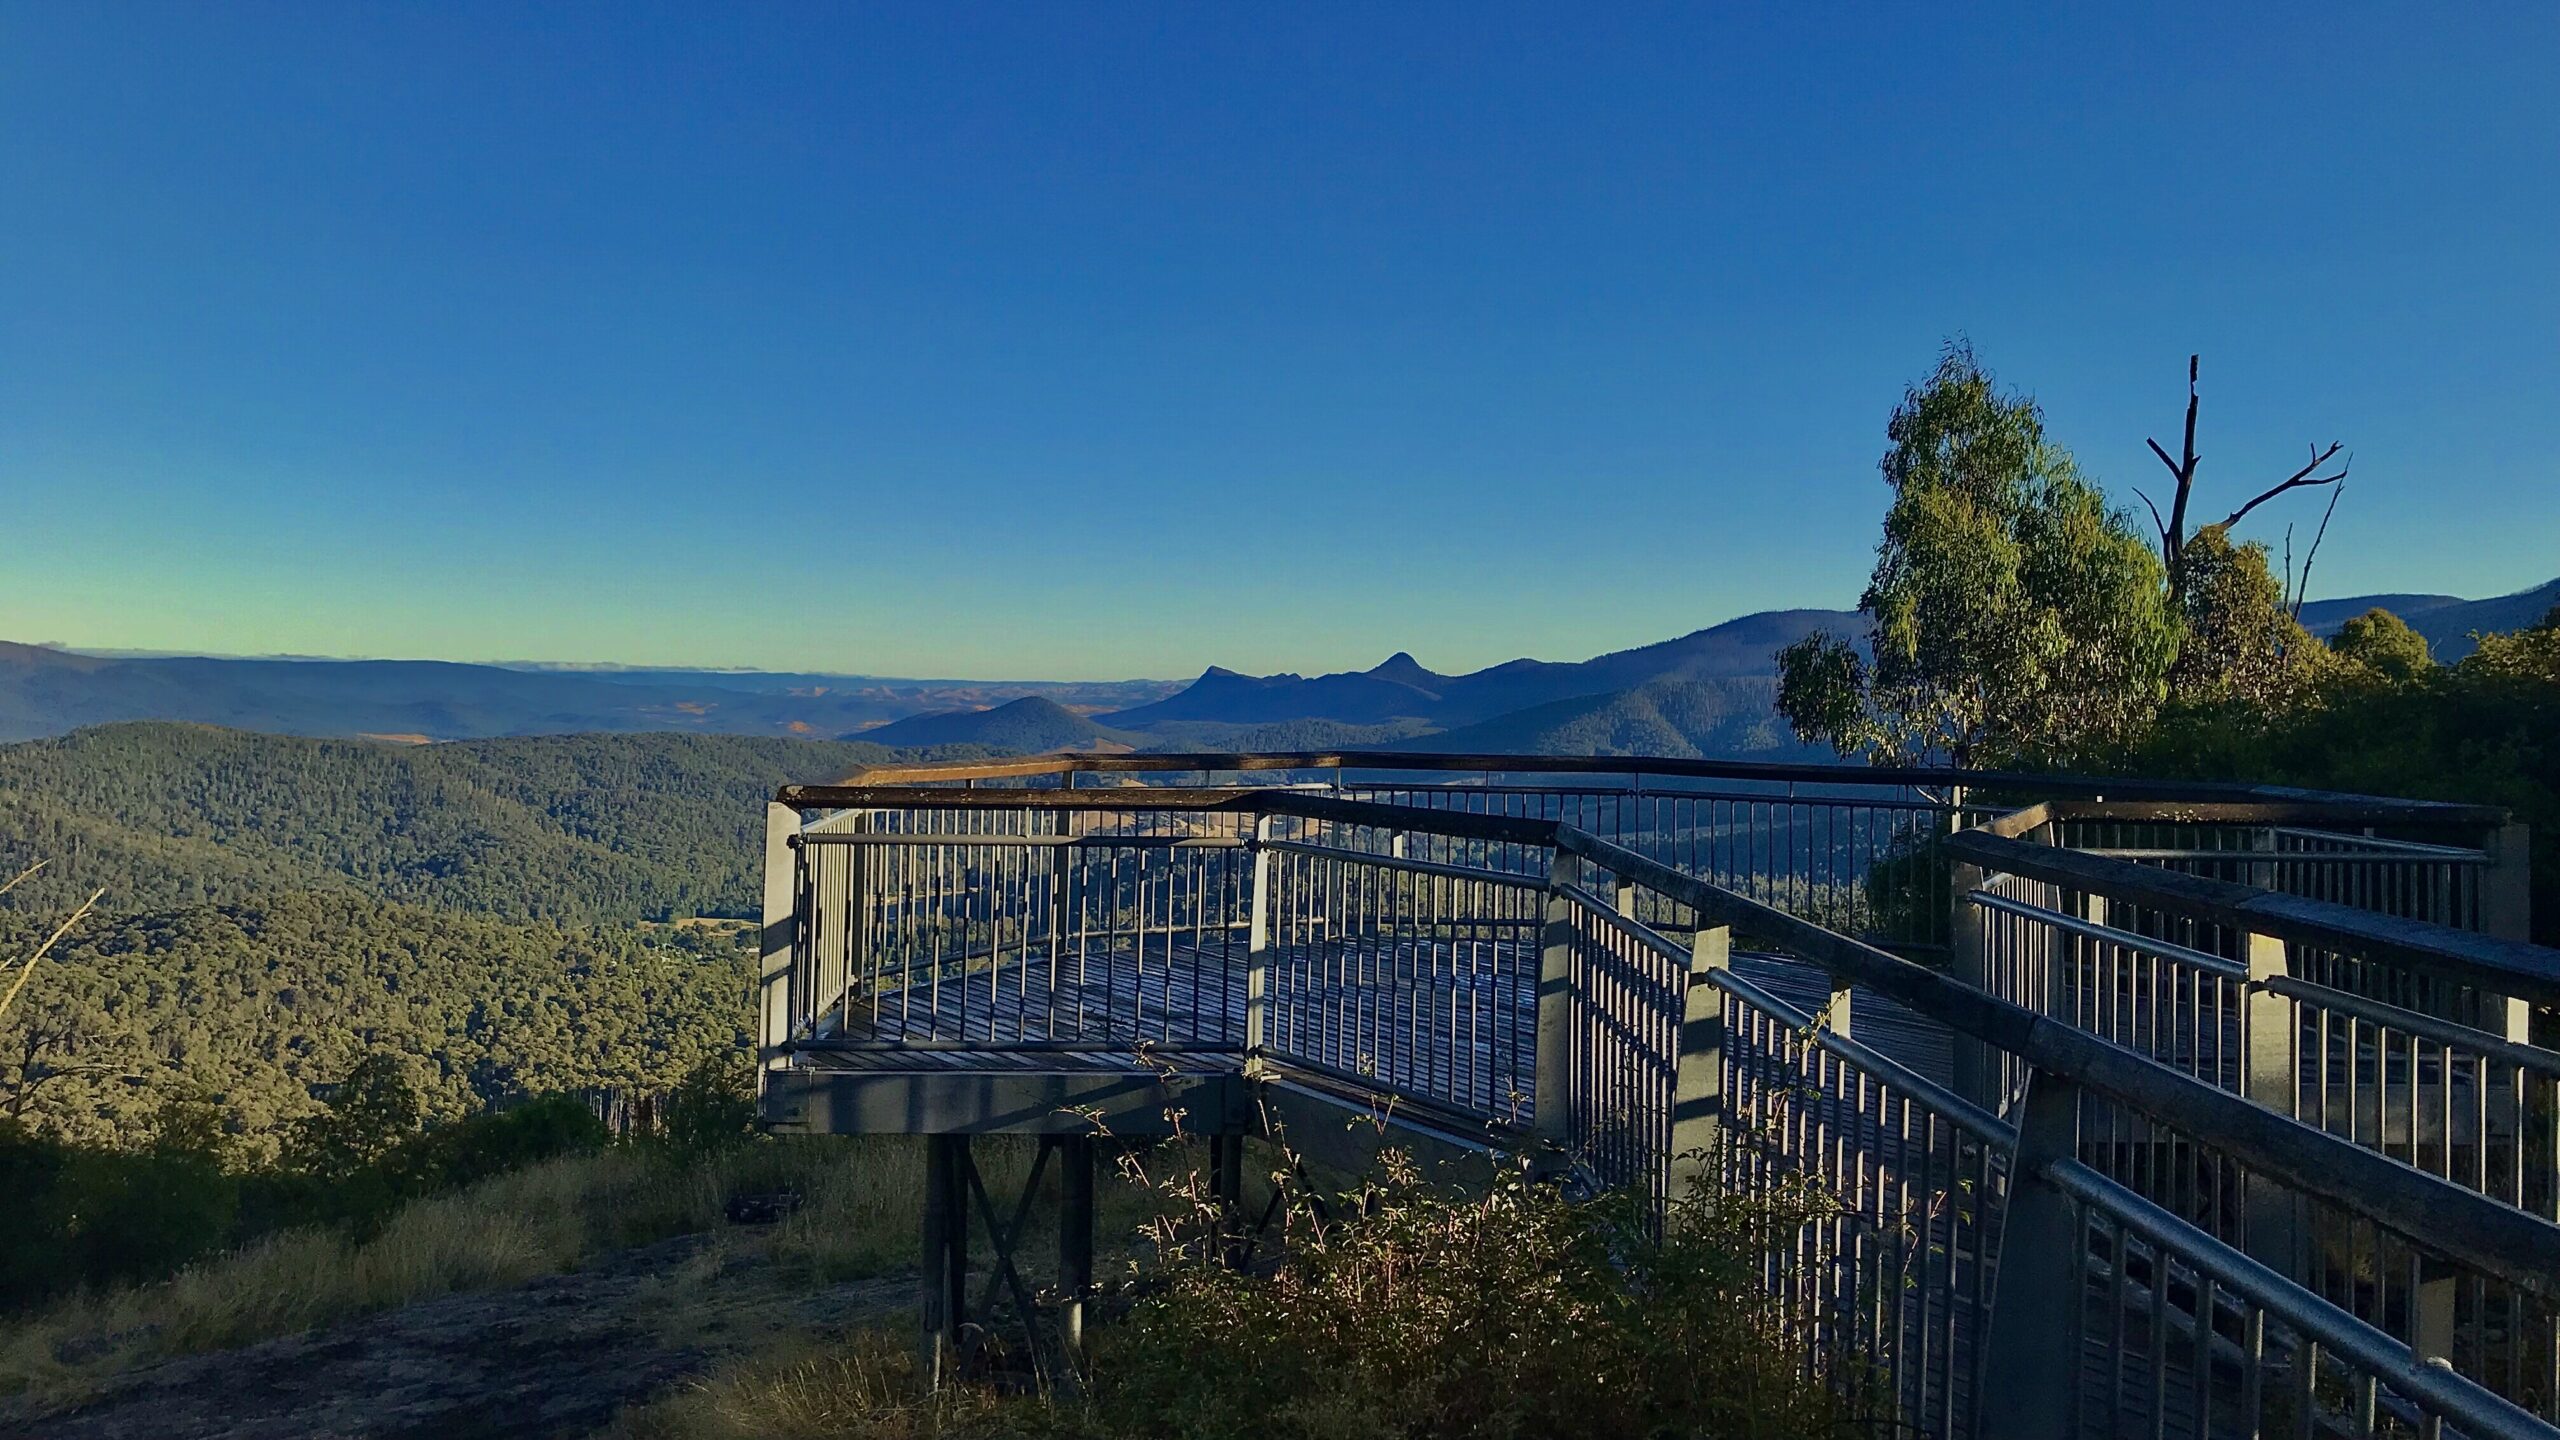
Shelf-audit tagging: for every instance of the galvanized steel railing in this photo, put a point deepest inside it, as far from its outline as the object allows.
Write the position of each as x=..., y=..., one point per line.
x=2169, y=1180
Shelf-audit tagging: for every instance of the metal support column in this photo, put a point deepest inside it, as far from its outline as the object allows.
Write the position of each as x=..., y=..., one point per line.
x=1976, y=1073
x=2029, y=1381
x=2506, y=911
x=1697, y=1095
x=1553, y=1120
x=2271, y=1077
x=1075, y=1243
x=781, y=932
x=1257, y=954
x=942, y=1304
x=1226, y=1188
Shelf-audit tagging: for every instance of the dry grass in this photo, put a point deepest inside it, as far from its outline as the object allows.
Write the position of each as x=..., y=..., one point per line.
x=858, y=1219
x=804, y=1387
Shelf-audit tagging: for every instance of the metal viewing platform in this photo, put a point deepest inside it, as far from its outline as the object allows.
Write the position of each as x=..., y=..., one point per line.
x=2253, y=1088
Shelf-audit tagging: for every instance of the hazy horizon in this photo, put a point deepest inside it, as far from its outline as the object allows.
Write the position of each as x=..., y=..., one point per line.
x=590, y=666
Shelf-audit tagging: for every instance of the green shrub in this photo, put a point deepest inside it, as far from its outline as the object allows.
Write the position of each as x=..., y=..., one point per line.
x=467, y=1151
x=1503, y=1313
x=713, y=1107
x=1509, y=1313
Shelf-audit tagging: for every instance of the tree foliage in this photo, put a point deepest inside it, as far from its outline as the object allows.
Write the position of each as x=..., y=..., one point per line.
x=253, y=1006
x=2484, y=731
x=2013, y=616
x=2382, y=644
x=566, y=828
x=2240, y=641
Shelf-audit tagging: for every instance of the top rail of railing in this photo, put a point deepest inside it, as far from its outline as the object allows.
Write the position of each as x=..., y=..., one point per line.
x=2183, y=795
x=2512, y=967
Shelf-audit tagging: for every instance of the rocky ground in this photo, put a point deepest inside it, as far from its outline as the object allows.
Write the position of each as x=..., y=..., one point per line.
x=557, y=1357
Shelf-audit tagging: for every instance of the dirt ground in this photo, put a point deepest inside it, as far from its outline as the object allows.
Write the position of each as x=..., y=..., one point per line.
x=559, y=1356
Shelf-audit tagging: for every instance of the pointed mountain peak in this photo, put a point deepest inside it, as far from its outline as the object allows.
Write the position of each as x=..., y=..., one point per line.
x=1401, y=666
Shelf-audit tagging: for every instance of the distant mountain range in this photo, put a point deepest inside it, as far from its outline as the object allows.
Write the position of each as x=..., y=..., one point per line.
x=1400, y=688
x=2448, y=621
x=1706, y=693
x=45, y=691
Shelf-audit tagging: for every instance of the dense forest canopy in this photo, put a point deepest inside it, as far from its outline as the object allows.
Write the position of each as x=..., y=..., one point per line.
x=254, y=1006
x=504, y=917
x=574, y=828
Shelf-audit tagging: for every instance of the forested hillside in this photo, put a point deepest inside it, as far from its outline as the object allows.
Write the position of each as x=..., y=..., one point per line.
x=249, y=1005
x=576, y=828
x=489, y=912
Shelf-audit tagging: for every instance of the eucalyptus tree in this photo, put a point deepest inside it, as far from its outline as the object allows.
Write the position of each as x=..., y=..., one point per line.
x=2012, y=615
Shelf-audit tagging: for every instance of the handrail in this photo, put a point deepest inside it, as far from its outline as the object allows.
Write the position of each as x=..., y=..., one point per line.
x=1780, y=772
x=2480, y=1411
x=1958, y=1111
x=2466, y=1227
x=2432, y=1028
x=2123, y=939
x=1475, y=874
x=2506, y=967
x=2376, y=845
x=1628, y=926
x=913, y=839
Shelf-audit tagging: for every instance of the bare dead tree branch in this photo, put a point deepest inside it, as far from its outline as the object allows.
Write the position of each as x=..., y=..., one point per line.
x=27, y=971
x=2173, y=532
x=2296, y=480
x=2156, y=522
x=2314, y=552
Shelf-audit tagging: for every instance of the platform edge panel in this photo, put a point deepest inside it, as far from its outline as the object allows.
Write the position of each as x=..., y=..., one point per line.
x=948, y=1101
x=1345, y=1132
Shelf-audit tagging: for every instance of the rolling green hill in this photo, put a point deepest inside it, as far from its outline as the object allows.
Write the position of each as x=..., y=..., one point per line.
x=277, y=906
x=573, y=828
x=249, y=1005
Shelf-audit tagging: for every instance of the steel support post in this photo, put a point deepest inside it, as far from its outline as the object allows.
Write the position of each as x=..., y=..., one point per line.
x=2031, y=1357
x=1226, y=1188
x=2506, y=911
x=1697, y=1096
x=2272, y=1233
x=942, y=1304
x=1257, y=954
x=1075, y=1243
x=1553, y=1120
x=781, y=932
x=1975, y=1073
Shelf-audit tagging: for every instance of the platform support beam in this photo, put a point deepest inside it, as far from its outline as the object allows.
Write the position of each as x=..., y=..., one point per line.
x=1257, y=953
x=1226, y=1188
x=942, y=1304
x=779, y=940
x=1075, y=1244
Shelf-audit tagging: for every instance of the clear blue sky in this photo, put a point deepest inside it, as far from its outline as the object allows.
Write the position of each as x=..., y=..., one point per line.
x=1073, y=340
